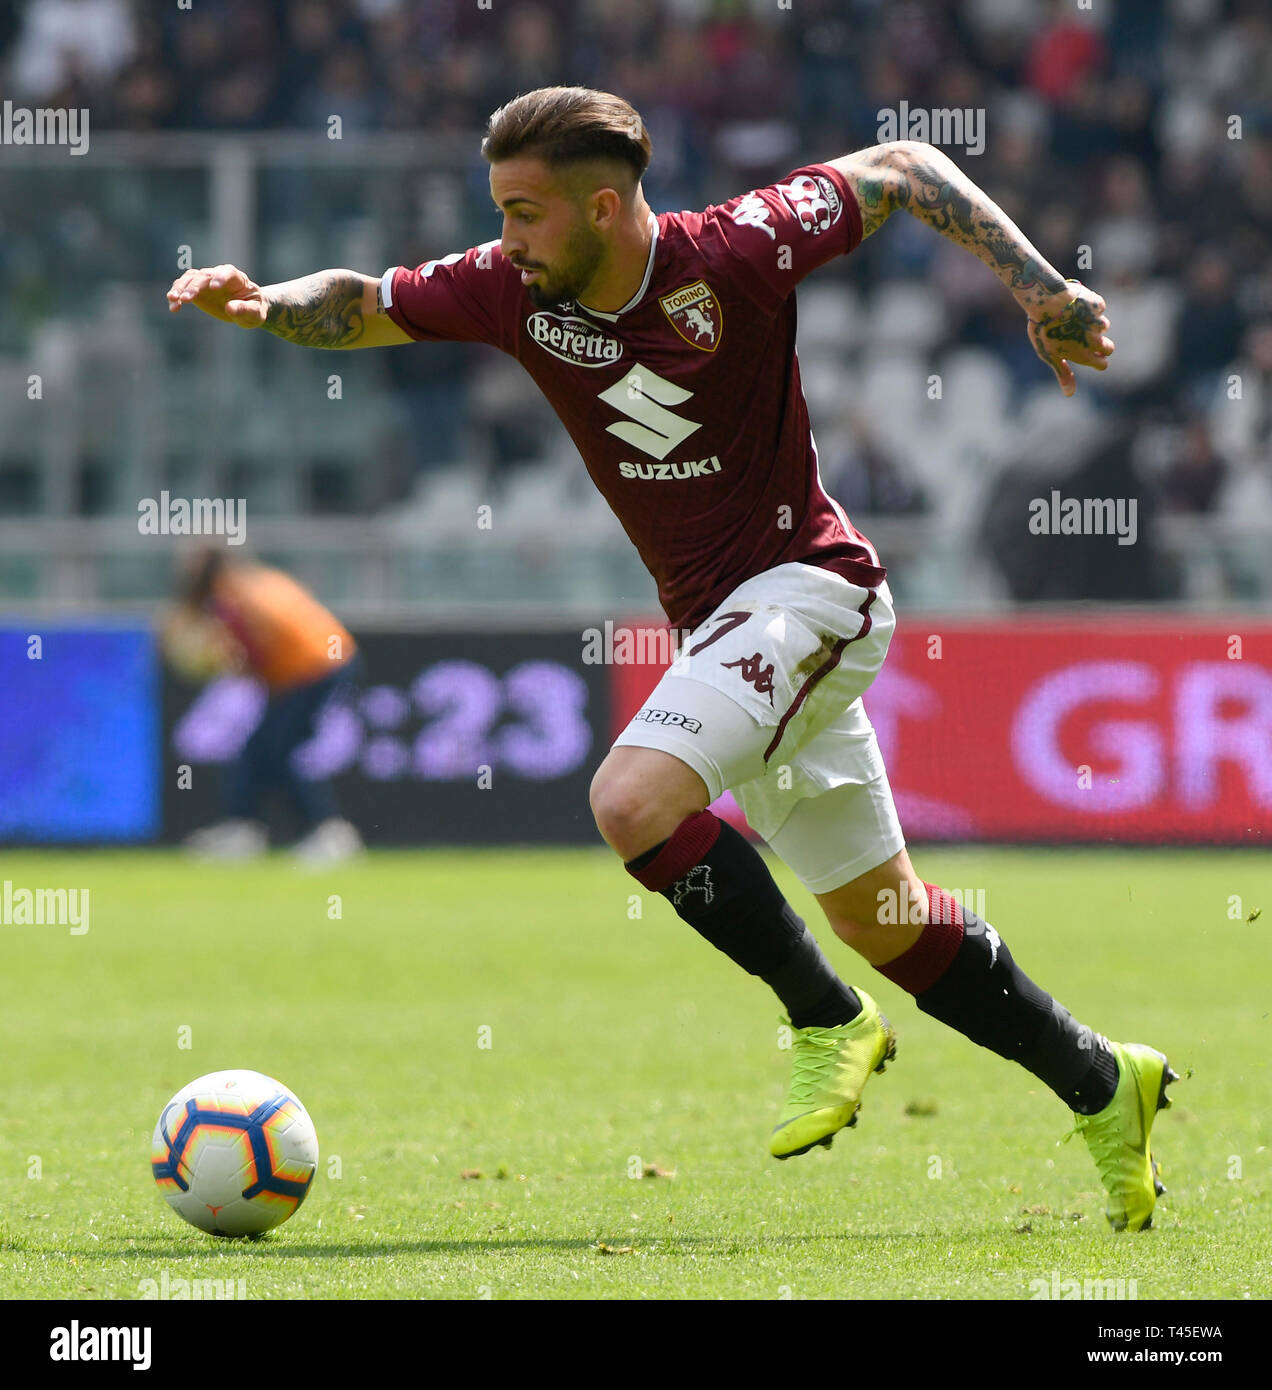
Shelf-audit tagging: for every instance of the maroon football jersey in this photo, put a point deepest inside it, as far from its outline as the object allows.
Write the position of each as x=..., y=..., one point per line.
x=686, y=404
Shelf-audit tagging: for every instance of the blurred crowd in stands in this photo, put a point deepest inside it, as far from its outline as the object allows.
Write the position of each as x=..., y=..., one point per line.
x=1132, y=141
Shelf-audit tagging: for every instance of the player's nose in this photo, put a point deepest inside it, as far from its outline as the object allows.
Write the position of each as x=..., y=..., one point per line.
x=512, y=247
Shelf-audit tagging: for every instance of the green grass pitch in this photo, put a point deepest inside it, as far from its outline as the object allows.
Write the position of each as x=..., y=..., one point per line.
x=614, y=1128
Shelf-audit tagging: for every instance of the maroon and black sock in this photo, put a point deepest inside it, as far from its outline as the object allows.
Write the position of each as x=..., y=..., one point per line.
x=718, y=883
x=960, y=972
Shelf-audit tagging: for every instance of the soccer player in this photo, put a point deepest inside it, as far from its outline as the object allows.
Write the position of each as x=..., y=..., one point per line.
x=666, y=344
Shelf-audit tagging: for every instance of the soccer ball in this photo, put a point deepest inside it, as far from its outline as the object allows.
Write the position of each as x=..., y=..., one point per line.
x=234, y=1153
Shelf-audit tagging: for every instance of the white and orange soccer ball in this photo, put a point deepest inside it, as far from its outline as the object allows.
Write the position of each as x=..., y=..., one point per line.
x=234, y=1153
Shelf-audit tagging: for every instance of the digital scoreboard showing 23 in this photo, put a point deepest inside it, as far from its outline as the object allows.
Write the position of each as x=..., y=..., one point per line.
x=449, y=738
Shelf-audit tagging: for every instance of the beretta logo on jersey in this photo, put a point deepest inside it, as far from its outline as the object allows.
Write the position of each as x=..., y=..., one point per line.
x=814, y=200
x=695, y=314
x=574, y=339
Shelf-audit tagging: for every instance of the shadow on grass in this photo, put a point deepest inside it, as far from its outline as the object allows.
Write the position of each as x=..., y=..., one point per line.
x=343, y=1250
x=270, y=1247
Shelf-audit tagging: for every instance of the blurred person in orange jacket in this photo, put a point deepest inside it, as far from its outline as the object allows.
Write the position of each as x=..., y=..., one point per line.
x=249, y=617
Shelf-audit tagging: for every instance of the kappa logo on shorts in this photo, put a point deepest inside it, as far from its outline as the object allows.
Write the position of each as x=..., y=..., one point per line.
x=753, y=674
x=670, y=718
x=697, y=880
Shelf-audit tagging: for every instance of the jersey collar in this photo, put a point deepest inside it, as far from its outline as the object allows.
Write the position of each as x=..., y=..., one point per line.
x=644, y=284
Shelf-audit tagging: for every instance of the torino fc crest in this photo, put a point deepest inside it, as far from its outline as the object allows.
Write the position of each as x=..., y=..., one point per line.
x=695, y=314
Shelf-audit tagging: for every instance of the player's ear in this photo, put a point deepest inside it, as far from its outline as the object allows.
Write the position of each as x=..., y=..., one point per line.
x=605, y=206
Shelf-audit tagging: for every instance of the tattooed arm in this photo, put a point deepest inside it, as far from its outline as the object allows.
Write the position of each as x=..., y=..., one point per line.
x=1066, y=320
x=333, y=309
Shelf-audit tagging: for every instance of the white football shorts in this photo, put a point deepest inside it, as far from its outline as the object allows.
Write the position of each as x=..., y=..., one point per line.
x=764, y=700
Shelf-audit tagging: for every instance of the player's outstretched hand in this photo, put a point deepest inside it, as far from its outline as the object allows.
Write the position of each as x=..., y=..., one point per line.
x=223, y=291
x=1074, y=334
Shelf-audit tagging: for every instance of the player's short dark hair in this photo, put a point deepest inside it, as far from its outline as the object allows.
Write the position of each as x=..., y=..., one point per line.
x=569, y=125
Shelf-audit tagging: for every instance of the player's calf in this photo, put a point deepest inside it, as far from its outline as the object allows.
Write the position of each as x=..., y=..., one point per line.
x=649, y=807
x=718, y=883
x=881, y=913
x=961, y=972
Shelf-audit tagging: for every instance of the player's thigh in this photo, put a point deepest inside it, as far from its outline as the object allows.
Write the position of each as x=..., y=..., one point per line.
x=841, y=838
x=847, y=848
x=795, y=646
x=787, y=653
x=888, y=894
x=678, y=753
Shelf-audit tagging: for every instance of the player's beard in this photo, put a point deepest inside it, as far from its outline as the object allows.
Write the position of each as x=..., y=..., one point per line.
x=574, y=272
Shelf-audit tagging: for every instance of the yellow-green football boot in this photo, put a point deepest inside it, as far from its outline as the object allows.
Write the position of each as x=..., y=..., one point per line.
x=829, y=1070
x=1118, y=1135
